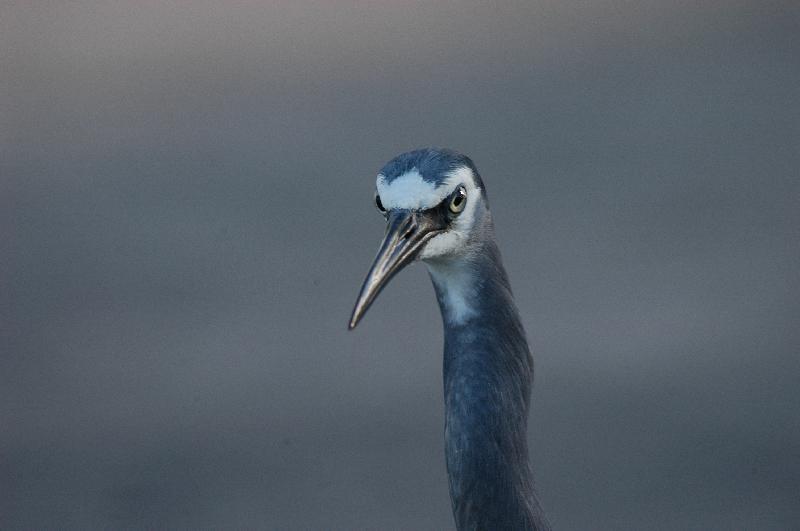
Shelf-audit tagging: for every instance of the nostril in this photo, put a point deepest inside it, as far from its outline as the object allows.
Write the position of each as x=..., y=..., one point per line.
x=409, y=229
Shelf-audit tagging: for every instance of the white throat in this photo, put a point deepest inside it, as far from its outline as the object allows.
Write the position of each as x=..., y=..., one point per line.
x=456, y=284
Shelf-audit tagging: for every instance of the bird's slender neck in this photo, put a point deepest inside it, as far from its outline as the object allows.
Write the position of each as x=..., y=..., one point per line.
x=487, y=382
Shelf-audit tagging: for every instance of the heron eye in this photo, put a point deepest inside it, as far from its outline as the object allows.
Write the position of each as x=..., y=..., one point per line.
x=458, y=201
x=378, y=203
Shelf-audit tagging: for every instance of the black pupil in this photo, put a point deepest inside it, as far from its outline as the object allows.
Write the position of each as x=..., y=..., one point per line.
x=458, y=199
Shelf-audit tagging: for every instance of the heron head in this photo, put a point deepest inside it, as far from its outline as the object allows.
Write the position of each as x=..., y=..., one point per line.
x=435, y=207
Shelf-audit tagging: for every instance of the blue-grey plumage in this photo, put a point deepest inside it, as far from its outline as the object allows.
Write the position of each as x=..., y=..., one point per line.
x=437, y=211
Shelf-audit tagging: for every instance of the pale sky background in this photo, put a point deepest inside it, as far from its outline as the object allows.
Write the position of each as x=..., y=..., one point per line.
x=186, y=213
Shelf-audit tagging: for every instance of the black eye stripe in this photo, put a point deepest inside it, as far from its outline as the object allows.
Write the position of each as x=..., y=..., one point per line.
x=455, y=199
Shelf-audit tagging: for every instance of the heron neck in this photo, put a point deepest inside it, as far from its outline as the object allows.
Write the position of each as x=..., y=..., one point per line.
x=487, y=380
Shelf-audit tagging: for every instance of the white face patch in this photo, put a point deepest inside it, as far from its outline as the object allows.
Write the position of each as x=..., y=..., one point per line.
x=455, y=239
x=410, y=191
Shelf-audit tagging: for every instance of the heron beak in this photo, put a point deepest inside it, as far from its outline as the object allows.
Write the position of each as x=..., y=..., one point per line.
x=407, y=232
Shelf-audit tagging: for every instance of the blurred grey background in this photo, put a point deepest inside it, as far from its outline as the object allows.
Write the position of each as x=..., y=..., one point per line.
x=186, y=212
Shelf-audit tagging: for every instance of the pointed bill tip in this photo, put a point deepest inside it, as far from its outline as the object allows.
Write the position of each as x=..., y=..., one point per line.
x=359, y=310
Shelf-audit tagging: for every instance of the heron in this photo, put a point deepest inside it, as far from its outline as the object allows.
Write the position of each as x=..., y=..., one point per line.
x=437, y=211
